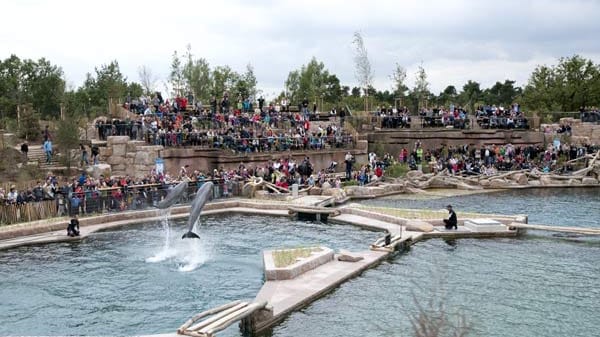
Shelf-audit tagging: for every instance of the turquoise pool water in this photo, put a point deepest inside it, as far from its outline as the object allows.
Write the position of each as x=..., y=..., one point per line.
x=536, y=285
x=125, y=282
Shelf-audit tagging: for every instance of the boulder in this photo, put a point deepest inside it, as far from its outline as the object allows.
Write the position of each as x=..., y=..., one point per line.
x=97, y=170
x=143, y=158
x=326, y=185
x=105, y=152
x=534, y=183
x=351, y=190
x=112, y=140
x=414, y=174
x=499, y=183
x=337, y=193
x=10, y=140
x=347, y=256
x=546, y=180
x=520, y=178
x=119, y=150
x=315, y=191
x=589, y=181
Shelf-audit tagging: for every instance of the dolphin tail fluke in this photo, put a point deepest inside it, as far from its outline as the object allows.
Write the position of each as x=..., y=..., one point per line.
x=190, y=235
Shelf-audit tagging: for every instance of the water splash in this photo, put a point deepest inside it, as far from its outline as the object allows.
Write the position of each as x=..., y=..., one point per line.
x=195, y=253
x=188, y=254
x=166, y=251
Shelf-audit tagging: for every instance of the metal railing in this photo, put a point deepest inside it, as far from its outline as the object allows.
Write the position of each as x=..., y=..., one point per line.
x=111, y=199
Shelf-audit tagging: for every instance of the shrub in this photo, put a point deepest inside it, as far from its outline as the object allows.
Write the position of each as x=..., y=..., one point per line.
x=397, y=170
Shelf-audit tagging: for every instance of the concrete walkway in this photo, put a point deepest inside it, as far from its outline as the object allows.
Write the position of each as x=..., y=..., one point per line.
x=288, y=295
x=364, y=222
x=86, y=230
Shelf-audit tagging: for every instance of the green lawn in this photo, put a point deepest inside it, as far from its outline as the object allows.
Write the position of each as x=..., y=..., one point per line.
x=286, y=257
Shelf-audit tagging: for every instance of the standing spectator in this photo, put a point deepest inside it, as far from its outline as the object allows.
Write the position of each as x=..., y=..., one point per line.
x=12, y=195
x=48, y=150
x=213, y=105
x=348, y=159
x=46, y=133
x=24, y=150
x=95, y=153
x=84, y=155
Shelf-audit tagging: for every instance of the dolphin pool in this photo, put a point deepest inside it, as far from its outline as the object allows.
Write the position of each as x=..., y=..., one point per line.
x=131, y=282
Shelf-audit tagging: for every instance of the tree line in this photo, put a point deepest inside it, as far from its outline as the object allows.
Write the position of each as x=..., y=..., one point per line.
x=37, y=89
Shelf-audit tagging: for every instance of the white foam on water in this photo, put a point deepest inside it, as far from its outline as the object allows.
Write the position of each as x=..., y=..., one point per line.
x=166, y=251
x=195, y=253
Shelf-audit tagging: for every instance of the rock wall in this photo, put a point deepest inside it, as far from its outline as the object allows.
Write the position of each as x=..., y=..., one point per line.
x=581, y=133
x=129, y=157
x=206, y=160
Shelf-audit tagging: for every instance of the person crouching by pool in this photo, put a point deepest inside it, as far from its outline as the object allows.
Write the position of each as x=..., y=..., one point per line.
x=451, y=222
x=73, y=228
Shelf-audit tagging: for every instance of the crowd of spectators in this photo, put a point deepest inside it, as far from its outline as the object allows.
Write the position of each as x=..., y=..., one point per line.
x=498, y=117
x=489, y=160
x=393, y=118
x=86, y=195
x=453, y=116
x=243, y=128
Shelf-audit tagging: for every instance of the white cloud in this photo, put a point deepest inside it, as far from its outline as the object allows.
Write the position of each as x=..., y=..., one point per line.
x=485, y=41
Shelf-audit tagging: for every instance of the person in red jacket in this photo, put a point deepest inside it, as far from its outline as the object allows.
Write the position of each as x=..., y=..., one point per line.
x=378, y=171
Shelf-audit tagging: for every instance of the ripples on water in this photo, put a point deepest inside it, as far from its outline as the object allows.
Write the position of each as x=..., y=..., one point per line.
x=504, y=287
x=105, y=286
x=568, y=206
x=538, y=285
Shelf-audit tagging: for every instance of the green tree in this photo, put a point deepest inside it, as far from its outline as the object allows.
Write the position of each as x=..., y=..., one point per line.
x=313, y=82
x=398, y=78
x=421, y=89
x=573, y=83
x=471, y=94
x=29, y=127
x=176, y=75
x=199, y=78
x=224, y=79
x=577, y=81
x=107, y=85
x=67, y=138
x=502, y=93
x=134, y=90
x=292, y=85
x=26, y=81
x=448, y=96
x=246, y=83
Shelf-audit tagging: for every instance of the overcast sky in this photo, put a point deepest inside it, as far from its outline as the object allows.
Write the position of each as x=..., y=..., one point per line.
x=456, y=41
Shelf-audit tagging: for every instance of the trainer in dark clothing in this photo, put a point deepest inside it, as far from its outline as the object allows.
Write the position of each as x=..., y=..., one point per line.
x=73, y=228
x=451, y=222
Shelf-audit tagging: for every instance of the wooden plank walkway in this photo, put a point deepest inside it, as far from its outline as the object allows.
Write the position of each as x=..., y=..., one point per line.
x=561, y=229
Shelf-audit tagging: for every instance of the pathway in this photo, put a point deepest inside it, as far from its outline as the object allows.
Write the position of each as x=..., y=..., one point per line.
x=288, y=295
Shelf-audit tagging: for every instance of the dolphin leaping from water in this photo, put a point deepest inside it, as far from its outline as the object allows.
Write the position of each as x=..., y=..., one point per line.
x=197, y=204
x=173, y=196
